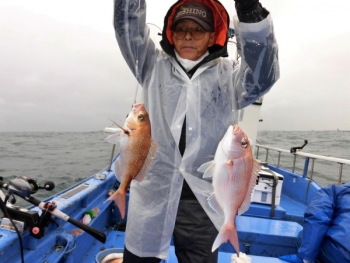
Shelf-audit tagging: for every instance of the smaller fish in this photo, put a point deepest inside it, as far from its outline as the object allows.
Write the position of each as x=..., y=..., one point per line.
x=234, y=172
x=137, y=149
x=113, y=258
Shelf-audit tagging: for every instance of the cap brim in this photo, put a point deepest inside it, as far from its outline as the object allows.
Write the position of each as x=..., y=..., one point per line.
x=200, y=22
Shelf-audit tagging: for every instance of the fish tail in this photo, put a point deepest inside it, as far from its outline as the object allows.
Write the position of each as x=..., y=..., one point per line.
x=119, y=197
x=227, y=233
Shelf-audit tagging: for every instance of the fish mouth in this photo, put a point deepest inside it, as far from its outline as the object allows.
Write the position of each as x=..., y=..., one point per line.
x=235, y=129
x=138, y=107
x=228, y=146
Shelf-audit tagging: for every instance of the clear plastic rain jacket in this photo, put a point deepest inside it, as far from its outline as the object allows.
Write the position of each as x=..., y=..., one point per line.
x=326, y=226
x=208, y=99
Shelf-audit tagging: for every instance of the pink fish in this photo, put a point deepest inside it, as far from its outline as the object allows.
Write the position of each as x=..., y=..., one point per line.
x=234, y=172
x=137, y=149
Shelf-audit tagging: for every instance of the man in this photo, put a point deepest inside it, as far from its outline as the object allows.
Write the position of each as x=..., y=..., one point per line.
x=192, y=95
x=326, y=228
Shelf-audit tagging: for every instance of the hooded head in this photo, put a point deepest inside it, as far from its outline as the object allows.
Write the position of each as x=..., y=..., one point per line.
x=209, y=14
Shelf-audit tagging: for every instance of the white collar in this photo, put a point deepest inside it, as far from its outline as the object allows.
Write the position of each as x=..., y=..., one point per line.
x=189, y=64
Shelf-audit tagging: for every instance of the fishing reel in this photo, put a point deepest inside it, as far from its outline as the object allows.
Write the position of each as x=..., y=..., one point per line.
x=295, y=149
x=24, y=187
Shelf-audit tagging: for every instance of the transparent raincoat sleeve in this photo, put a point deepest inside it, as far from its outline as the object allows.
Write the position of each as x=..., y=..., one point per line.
x=259, y=67
x=132, y=34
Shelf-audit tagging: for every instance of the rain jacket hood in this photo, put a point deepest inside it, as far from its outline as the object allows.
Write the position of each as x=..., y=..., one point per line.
x=221, y=23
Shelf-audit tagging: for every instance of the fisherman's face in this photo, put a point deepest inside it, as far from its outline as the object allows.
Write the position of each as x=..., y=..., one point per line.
x=189, y=47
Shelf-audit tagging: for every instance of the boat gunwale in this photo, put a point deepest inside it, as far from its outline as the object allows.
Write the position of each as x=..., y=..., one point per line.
x=312, y=156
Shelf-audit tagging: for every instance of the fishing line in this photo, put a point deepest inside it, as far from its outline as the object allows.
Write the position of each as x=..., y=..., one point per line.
x=156, y=27
x=235, y=112
x=232, y=36
x=118, y=224
x=138, y=84
x=220, y=15
x=4, y=208
x=137, y=74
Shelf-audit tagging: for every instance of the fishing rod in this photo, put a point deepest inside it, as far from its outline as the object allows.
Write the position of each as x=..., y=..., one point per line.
x=24, y=187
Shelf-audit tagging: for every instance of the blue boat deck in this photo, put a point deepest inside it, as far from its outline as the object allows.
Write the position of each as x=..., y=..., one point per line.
x=294, y=210
x=288, y=210
x=262, y=237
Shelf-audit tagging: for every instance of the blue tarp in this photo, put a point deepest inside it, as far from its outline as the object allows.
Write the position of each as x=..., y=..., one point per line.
x=327, y=225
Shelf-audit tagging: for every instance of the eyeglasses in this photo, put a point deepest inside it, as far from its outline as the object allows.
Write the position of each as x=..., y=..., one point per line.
x=197, y=33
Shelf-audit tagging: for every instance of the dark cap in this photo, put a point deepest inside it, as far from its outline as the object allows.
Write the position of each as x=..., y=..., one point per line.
x=197, y=12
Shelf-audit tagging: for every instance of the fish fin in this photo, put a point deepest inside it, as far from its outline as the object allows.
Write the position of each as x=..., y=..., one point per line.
x=230, y=163
x=119, y=197
x=207, y=169
x=228, y=168
x=256, y=167
x=255, y=172
x=126, y=131
x=151, y=153
x=227, y=233
x=115, y=137
x=233, y=237
x=214, y=204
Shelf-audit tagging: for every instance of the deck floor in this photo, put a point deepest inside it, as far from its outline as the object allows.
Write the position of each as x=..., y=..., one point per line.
x=288, y=210
x=294, y=210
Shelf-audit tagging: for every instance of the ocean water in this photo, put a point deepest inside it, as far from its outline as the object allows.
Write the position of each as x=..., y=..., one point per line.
x=68, y=157
x=64, y=158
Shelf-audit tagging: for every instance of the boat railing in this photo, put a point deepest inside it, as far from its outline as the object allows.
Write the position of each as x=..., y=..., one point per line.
x=308, y=157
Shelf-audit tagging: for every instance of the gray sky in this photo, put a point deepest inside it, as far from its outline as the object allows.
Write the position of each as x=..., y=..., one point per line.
x=61, y=69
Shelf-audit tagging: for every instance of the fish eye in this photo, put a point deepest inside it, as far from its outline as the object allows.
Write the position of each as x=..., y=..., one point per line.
x=141, y=117
x=244, y=143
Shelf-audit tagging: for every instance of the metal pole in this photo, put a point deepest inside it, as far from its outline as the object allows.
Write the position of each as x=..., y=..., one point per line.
x=312, y=167
x=295, y=158
x=110, y=162
x=306, y=166
x=340, y=172
x=279, y=158
x=257, y=152
x=267, y=155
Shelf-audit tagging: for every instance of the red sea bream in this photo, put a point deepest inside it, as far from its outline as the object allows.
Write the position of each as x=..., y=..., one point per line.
x=137, y=149
x=234, y=173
